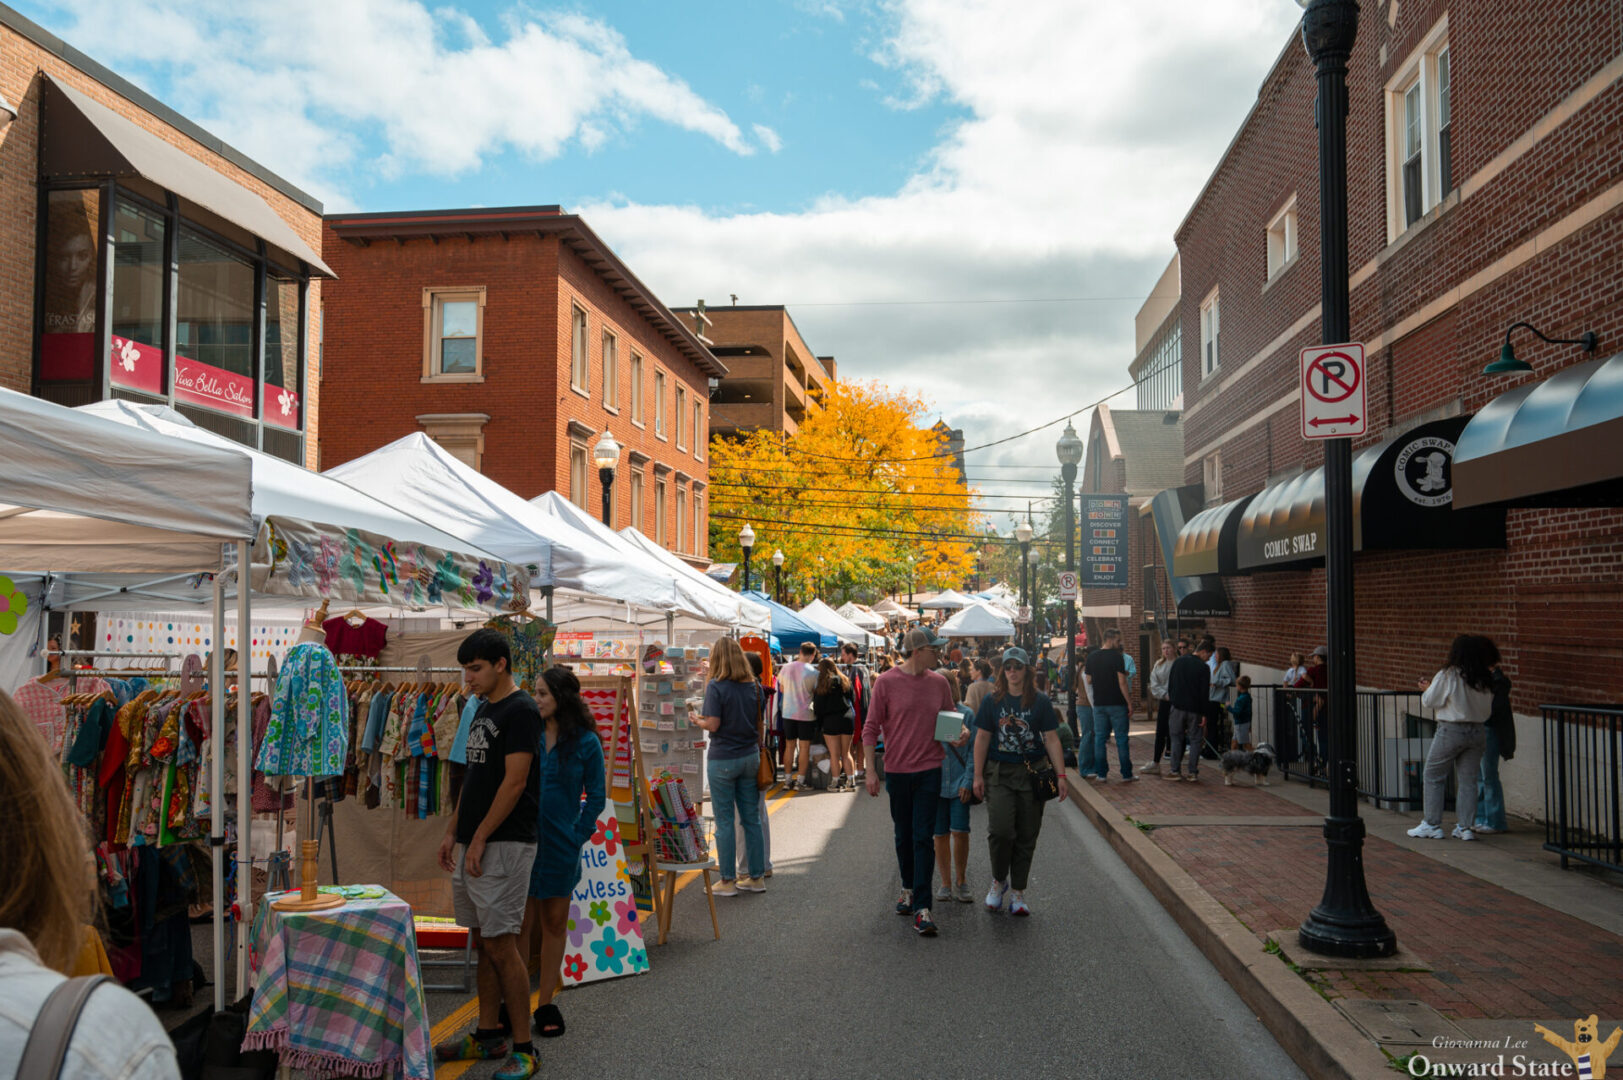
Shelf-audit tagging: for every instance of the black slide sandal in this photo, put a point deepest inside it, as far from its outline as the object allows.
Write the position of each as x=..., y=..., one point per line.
x=549, y=1022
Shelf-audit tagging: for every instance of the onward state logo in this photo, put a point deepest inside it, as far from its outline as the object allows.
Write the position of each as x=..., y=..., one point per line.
x=1588, y=1054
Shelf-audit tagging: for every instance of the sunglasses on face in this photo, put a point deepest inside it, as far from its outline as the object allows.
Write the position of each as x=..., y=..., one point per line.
x=1014, y=665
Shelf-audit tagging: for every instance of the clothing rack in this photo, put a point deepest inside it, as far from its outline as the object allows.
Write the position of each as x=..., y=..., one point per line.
x=361, y=670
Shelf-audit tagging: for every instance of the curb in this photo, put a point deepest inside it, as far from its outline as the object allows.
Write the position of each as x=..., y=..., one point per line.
x=1322, y=1041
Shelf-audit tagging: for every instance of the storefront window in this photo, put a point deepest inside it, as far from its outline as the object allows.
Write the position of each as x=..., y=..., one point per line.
x=72, y=272
x=214, y=341
x=281, y=406
x=136, y=346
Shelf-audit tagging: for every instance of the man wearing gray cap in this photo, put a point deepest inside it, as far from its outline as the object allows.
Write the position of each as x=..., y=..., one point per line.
x=902, y=715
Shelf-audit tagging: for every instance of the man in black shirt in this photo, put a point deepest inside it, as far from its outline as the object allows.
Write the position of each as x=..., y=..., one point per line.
x=1106, y=676
x=490, y=846
x=1188, y=688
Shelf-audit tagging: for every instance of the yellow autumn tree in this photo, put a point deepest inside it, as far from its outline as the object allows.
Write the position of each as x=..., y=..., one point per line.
x=864, y=499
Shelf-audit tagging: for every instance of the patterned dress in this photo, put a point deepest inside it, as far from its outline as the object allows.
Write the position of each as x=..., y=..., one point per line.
x=308, y=733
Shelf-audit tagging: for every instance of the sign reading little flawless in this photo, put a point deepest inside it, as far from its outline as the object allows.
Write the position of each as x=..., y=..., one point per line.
x=1104, y=541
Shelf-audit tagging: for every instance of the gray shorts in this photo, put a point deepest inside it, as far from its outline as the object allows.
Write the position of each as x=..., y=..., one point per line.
x=493, y=902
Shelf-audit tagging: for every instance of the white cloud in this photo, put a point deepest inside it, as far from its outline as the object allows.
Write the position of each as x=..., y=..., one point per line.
x=300, y=82
x=769, y=138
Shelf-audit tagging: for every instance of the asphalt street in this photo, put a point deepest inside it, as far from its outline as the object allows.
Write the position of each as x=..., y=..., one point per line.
x=818, y=977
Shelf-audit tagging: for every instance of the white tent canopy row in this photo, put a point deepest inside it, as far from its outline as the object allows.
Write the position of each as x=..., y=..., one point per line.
x=751, y=616
x=857, y=615
x=951, y=600
x=977, y=620
x=826, y=618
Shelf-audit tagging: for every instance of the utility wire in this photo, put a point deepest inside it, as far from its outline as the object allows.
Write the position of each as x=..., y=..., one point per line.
x=814, y=528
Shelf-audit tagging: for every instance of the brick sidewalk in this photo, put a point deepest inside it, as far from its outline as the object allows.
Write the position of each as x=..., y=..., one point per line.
x=1494, y=954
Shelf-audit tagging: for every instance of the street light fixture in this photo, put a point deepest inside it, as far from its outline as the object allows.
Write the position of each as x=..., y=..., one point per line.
x=606, y=454
x=1345, y=922
x=910, y=581
x=746, y=540
x=1022, y=536
x=777, y=571
x=1507, y=364
x=1069, y=451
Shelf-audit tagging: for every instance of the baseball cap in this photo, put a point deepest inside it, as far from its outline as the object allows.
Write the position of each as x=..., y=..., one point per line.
x=1017, y=654
x=1322, y=650
x=920, y=638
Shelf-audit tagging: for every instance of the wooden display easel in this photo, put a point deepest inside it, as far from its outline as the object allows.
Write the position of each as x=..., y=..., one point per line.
x=625, y=699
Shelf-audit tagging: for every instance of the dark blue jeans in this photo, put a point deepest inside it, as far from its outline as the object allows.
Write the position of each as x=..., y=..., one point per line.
x=913, y=799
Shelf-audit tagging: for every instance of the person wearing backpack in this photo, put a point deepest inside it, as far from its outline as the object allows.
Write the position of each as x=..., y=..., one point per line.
x=52, y=1026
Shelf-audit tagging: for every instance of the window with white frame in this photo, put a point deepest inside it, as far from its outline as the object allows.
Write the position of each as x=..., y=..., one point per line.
x=636, y=501
x=1212, y=478
x=636, y=388
x=659, y=404
x=580, y=371
x=681, y=517
x=1210, y=334
x=659, y=512
x=611, y=371
x=700, y=434
x=1419, y=108
x=577, y=474
x=1282, y=239
x=681, y=415
x=698, y=523
x=453, y=329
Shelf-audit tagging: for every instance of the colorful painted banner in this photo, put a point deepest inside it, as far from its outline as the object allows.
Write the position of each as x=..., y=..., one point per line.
x=605, y=921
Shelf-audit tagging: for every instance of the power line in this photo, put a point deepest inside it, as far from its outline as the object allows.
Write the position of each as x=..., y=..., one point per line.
x=978, y=300
x=815, y=529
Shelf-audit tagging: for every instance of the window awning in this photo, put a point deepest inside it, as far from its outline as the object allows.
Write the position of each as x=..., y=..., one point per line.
x=1403, y=498
x=1206, y=542
x=1197, y=595
x=83, y=138
x=1550, y=443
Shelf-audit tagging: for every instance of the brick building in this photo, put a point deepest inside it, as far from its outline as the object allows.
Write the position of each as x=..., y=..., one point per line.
x=773, y=379
x=1483, y=190
x=145, y=259
x=514, y=337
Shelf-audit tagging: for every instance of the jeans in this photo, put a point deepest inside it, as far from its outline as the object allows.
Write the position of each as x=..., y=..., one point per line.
x=1108, y=718
x=732, y=789
x=1014, y=817
x=1085, y=755
x=766, y=837
x=1163, y=712
x=1490, y=808
x=1459, y=745
x=913, y=800
x=1184, y=728
x=951, y=815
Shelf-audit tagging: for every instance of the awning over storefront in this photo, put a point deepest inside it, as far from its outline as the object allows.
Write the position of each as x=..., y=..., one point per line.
x=1558, y=442
x=1403, y=498
x=1194, y=595
x=83, y=138
x=1205, y=544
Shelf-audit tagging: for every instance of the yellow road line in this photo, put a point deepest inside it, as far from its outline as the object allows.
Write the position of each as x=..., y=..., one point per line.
x=464, y=1014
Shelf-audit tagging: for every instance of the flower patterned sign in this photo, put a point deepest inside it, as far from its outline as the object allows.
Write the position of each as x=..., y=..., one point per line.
x=604, y=930
x=12, y=605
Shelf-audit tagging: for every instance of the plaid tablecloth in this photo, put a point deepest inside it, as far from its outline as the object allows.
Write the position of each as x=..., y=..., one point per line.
x=340, y=990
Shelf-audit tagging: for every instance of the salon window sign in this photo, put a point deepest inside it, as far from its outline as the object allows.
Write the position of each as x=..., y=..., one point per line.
x=139, y=366
x=1104, y=541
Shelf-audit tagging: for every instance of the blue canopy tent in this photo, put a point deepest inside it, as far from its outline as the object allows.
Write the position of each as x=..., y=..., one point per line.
x=790, y=629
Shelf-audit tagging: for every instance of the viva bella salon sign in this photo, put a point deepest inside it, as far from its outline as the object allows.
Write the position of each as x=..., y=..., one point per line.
x=139, y=366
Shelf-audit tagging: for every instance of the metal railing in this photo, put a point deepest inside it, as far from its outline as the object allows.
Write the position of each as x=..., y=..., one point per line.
x=1393, y=735
x=1583, y=784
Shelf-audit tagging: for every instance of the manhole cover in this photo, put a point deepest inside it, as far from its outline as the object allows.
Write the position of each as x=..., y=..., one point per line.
x=1398, y=1023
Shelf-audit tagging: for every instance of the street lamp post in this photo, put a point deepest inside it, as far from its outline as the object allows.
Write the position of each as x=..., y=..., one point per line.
x=1034, y=557
x=1022, y=536
x=607, y=456
x=1345, y=922
x=746, y=540
x=777, y=574
x=1069, y=450
x=910, y=581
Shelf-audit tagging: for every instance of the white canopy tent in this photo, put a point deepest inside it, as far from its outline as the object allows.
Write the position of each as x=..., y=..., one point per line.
x=891, y=609
x=857, y=615
x=820, y=614
x=950, y=600
x=977, y=620
x=751, y=616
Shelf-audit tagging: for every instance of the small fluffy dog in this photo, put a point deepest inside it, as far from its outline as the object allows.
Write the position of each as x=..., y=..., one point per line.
x=1256, y=762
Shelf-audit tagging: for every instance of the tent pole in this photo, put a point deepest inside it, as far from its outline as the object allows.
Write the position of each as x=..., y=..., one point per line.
x=670, y=628
x=44, y=624
x=245, y=745
x=217, y=783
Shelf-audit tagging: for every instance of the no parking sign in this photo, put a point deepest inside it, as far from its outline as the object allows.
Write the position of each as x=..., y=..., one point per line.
x=1334, y=397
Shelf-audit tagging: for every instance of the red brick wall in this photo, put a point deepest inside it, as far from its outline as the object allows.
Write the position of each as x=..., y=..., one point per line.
x=21, y=64
x=374, y=362
x=1552, y=598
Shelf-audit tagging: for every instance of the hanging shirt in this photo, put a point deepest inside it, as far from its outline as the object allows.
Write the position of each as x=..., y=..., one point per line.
x=346, y=639
x=309, y=725
x=41, y=702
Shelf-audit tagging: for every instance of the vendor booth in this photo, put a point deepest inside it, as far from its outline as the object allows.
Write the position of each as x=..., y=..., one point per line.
x=789, y=630
x=821, y=615
x=977, y=621
x=951, y=600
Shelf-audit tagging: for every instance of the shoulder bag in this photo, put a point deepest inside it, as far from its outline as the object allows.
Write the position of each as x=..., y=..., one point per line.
x=47, y=1048
x=766, y=770
x=1044, y=780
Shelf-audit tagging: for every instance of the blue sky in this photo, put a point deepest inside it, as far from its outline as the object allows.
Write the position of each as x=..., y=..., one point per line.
x=965, y=198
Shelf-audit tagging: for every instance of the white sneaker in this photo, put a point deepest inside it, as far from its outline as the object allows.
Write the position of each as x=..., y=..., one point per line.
x=1462, y=833
x=994, y=896
x=1423, y=831
x=1017, y=903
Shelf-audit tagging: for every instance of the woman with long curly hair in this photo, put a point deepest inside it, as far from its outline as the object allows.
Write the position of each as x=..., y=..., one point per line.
x=47, y=897
x=1462, y=695
x=836, y=717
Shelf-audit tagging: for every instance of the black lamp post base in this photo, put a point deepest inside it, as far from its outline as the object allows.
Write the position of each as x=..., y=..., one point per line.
x=1345, y=923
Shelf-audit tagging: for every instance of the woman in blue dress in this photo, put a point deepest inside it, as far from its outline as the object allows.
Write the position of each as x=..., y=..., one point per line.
x=572, y=798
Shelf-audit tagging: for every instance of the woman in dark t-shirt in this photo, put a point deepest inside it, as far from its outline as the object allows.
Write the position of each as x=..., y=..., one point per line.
x=732, y=702
x=836, y=718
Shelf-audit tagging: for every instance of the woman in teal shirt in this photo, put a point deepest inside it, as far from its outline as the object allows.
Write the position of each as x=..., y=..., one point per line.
x=572, y=799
